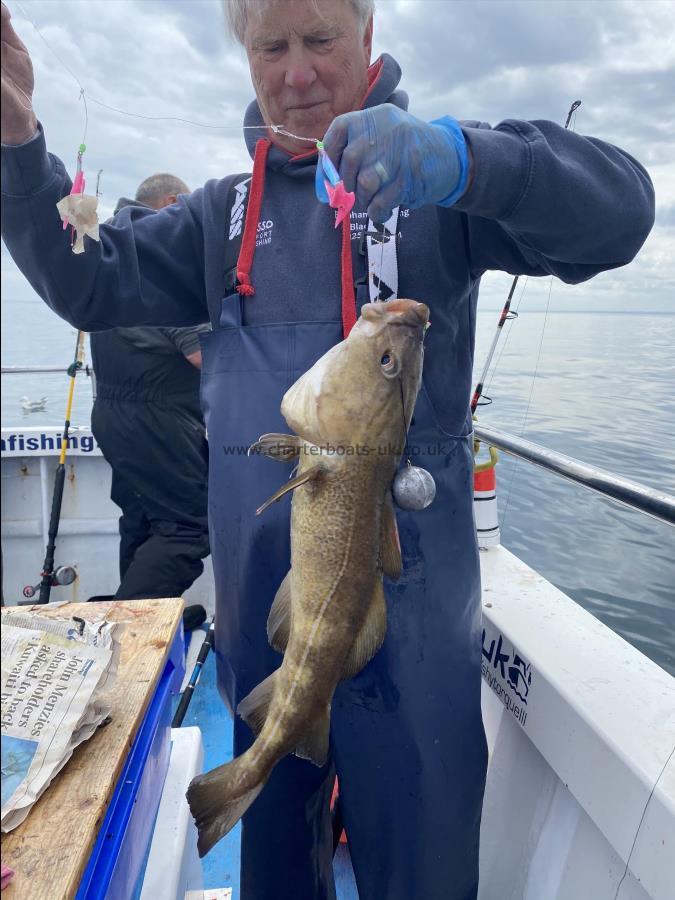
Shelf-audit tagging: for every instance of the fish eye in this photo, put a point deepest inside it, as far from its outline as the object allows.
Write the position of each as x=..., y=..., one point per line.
x=389, y=364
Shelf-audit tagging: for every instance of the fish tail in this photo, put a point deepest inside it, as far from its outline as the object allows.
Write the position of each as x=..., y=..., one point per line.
x=219, y=798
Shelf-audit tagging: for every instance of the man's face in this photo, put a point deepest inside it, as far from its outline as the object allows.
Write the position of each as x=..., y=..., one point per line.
x=309, y=64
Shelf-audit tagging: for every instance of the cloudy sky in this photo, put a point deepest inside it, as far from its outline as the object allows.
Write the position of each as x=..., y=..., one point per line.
x=479, y=60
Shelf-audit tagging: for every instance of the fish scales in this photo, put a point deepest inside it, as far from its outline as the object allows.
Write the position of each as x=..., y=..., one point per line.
x=350, y=412
x=334, y=571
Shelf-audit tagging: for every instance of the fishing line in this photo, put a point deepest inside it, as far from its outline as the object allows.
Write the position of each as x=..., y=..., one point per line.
x=504, y=315
x=529, y=402
x=277, y=129
x=413, y=488
x=70, y=71
x=571, y=118
x=83, y=97
x=20, y=89
x=406, y=452
x=379, y=287
x=642, y=818
x=485, y=393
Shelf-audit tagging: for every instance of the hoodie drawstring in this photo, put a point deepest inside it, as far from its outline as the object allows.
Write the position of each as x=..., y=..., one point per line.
x=247, y=250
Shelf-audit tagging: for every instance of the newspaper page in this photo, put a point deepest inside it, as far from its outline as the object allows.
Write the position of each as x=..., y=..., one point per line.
x=53, y=674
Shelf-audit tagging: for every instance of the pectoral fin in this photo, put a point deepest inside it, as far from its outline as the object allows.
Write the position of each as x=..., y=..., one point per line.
x=369, y=639
x=308, y=475
x=314, y=745
x=254, y=707
x=279, y=619
x=390, y=545
x=282, y=447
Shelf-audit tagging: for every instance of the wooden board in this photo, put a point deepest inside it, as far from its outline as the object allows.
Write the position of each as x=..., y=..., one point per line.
x=50, y=849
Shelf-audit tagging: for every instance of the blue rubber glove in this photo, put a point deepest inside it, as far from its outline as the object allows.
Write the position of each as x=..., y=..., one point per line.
x=389, y=158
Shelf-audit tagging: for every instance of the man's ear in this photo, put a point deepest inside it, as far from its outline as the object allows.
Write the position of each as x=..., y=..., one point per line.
x=368, y=41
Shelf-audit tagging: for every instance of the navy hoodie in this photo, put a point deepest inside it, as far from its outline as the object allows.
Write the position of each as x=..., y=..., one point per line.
x=543, y=200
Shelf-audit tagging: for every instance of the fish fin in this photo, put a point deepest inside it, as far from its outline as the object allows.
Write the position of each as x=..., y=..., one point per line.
x=314, y=745
x=218, y=799
x=282, y=447
x=390, y=545
x=307, y=475
x=369, y=639
x=254, y=707
x=279, y=619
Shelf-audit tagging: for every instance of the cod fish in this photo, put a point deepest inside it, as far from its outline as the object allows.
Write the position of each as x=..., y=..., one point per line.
x=351, y=412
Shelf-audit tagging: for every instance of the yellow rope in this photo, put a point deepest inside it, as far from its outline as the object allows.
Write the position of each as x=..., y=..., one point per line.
x=494, y=456
x=483, y=467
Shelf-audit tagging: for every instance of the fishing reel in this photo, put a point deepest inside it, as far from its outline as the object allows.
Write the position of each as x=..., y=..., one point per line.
x=62, y=576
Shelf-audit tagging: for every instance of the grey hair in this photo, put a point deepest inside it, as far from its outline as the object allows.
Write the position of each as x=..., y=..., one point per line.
x=236, y=14
x=157, y=187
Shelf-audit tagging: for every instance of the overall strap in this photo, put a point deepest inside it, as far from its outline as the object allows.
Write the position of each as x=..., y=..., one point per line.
x=244, y=202
x=347, y=280
x=235, y=214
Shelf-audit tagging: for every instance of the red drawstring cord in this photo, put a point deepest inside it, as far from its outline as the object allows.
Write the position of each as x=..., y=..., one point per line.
x=348, y=299
x=245, y=261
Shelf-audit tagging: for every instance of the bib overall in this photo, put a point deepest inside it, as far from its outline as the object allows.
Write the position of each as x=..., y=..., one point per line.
x=407, y=739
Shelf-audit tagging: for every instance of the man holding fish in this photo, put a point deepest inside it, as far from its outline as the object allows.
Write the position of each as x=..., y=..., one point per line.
x=380, y=679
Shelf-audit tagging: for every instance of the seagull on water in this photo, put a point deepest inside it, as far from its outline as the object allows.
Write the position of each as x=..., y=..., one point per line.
x=33, y=405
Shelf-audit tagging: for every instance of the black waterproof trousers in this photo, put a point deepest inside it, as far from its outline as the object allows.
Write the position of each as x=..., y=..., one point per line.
x=159, y=458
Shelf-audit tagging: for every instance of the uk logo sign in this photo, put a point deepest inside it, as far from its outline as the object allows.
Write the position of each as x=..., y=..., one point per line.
x=507, y=673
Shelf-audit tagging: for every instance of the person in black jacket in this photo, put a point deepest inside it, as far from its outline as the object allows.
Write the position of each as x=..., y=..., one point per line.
x=148, y=423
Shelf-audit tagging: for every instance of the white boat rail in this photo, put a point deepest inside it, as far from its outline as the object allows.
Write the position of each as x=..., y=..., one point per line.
x=655, y=503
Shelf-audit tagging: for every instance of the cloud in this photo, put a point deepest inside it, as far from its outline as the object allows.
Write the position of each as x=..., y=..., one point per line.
x=474, y=60
x=666, y=217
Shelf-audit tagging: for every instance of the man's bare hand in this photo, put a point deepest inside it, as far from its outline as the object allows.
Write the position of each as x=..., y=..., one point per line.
x=18, y=122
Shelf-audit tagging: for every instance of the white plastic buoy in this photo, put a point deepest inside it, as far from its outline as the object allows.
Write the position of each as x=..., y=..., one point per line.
x=485, y=508
x=414, y=488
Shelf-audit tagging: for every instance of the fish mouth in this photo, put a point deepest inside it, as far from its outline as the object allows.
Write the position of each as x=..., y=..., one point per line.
x=397, y=312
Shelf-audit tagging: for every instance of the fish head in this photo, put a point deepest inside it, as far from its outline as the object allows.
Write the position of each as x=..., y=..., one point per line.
x=362, y=392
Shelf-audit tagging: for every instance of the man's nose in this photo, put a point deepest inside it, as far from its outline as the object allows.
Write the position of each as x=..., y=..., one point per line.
x=300, y=73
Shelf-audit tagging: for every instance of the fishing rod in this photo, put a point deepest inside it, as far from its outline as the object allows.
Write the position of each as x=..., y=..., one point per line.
x=186, y=696
x=65, y=574
x=506, y=313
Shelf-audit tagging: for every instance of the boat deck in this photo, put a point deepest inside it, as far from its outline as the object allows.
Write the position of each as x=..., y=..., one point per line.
x=209, y=713
x=581, y=733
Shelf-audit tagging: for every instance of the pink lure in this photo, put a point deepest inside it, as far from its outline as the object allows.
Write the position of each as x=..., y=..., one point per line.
x=78, y=183
x=341, y=200
x=335, y=194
